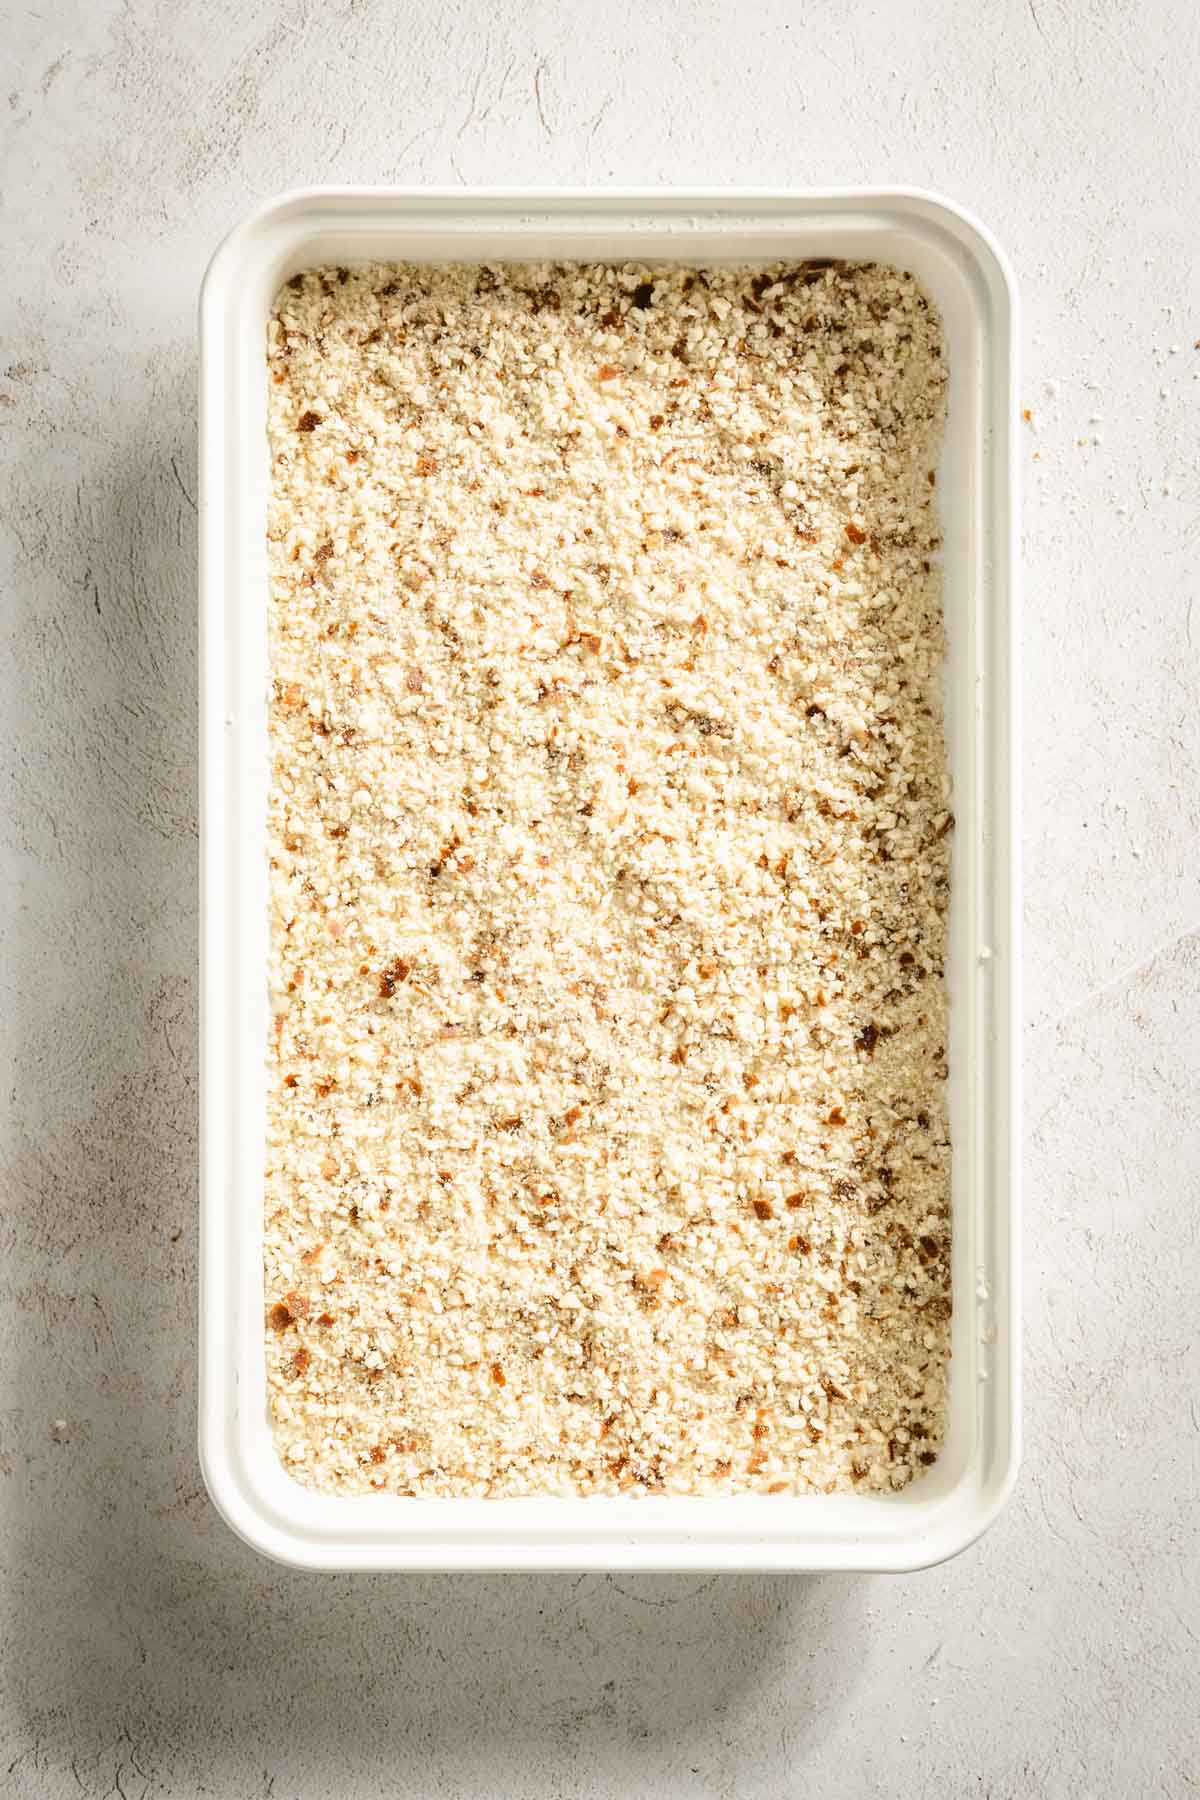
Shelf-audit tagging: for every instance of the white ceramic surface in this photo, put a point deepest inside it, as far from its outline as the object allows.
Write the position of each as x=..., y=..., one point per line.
x=968, y=278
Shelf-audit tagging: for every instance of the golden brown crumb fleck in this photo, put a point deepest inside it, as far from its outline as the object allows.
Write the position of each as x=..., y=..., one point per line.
x=390, y=977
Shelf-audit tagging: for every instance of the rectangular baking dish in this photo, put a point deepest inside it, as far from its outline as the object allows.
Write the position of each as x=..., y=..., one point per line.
x=967, y=277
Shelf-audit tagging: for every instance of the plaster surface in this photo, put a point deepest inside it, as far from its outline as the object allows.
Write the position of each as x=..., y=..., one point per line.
x=146, y=1652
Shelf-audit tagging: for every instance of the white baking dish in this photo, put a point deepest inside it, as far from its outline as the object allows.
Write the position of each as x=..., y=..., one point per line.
x=967, y=276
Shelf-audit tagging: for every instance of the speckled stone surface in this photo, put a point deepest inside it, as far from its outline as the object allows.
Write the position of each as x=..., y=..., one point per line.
x=146, y=1653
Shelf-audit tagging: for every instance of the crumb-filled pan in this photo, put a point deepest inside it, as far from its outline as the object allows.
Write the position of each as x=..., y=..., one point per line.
x=610, y=958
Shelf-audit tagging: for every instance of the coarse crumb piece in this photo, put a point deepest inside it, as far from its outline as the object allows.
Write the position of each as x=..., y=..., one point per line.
x=609, y=867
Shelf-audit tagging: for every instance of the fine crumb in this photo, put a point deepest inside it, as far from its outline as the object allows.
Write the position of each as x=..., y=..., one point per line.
x=609, y=837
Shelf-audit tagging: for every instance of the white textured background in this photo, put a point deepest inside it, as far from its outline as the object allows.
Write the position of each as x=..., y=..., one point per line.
x=146, y=1652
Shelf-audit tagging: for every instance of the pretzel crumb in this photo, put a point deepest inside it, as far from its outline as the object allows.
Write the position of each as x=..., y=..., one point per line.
x=609, y=836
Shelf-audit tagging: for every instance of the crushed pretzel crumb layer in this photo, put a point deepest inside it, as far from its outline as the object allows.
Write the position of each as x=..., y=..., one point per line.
x=609, y=868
